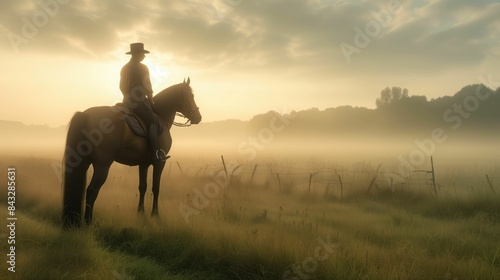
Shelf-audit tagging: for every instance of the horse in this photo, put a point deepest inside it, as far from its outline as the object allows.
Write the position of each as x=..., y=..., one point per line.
x=100, y=136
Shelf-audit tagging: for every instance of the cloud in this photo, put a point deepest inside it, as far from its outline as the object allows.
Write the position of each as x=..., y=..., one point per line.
x=267, y=34
x=438, y=41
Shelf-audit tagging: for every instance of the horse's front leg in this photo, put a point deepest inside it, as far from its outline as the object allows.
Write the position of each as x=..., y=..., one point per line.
x=143, y=184
x=157, y=170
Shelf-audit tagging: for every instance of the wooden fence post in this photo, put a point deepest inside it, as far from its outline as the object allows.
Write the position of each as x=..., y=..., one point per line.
x=225, y=169
x=490, y=184
x=433, y=177
x=310, y=179
x=253, y=173
x=279, y=181
x=373, y=180
x=341, y=188
x=179, y=165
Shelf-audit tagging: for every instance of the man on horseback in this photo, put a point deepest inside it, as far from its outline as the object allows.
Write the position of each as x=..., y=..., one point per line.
x=137, y=91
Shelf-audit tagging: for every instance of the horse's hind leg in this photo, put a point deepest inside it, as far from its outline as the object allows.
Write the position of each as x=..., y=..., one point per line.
x=143, y=183
x=98, y=179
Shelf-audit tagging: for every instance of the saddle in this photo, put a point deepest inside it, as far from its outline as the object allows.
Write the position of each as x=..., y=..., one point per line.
x=136, y=124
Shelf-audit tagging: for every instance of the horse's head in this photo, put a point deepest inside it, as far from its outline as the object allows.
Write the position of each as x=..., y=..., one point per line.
x=188, y=106
x=178, y=98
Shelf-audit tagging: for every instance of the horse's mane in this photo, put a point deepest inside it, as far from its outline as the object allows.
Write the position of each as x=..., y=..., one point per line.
x=170, y=92
x=168, y=97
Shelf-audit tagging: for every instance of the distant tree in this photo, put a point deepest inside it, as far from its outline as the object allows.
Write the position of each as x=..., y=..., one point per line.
x=385, y=97
x=312, y=110
x=397, y=92
x=391, y=95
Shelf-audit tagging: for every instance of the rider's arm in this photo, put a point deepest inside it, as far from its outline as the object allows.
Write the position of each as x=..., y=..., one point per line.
x=147, y=84
x=123, y=81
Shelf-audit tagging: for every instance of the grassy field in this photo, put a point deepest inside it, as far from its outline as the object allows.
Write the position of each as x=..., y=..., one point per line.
x=267, y=224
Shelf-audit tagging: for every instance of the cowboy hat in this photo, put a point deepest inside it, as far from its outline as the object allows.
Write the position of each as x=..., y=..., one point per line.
x=137, y=48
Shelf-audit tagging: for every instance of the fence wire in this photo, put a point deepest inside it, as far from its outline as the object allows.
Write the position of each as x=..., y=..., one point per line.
x=362, y=176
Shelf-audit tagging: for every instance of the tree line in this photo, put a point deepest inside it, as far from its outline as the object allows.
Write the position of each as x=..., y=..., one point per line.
x=473, y=109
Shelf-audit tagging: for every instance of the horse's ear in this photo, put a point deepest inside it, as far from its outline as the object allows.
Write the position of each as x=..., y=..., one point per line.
x=184, y=81
x=189, y=81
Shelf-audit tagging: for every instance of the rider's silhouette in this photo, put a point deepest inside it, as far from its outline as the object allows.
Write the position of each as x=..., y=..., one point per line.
x=137, y=91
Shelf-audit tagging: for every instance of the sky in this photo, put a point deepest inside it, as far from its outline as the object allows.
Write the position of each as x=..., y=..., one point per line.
x=244, y=57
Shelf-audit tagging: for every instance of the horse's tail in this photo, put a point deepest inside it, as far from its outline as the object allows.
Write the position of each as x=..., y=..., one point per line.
x=75, y=165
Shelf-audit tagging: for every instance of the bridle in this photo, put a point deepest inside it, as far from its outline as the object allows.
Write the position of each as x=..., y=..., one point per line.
x=191, y=112
x=186, y=124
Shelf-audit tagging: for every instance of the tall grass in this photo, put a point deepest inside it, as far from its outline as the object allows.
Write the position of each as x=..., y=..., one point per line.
x=257, y=230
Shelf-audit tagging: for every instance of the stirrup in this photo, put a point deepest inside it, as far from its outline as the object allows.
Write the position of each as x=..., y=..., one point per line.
x=161, y=155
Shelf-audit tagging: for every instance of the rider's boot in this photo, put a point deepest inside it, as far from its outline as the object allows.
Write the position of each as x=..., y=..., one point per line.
x=158, y=154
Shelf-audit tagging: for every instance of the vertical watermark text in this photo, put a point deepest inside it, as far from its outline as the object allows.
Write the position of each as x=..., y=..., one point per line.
x=11, y=219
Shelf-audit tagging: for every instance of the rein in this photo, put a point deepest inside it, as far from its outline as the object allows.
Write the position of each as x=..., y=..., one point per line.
x=186, y=124
x=184, y=103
